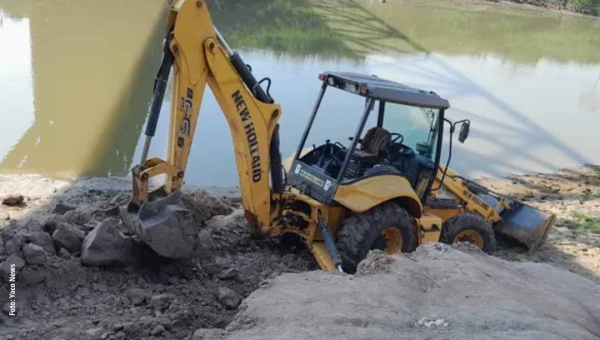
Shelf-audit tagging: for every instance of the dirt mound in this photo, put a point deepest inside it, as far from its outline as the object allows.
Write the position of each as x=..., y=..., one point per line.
x=60, y=298
x=437, y=292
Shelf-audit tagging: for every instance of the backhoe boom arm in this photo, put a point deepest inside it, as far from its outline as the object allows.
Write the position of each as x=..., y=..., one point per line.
x=200, y=56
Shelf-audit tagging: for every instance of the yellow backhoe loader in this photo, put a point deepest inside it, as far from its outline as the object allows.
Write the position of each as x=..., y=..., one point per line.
x=384, y=190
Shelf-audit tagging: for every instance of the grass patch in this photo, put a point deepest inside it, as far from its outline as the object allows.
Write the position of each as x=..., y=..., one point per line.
x=580, y=220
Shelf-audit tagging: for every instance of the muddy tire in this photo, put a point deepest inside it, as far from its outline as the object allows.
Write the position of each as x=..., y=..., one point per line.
x=469, y=228
x=387, y=227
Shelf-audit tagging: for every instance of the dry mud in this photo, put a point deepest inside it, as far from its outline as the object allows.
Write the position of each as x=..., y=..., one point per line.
x=437, y=292
x=59, y=298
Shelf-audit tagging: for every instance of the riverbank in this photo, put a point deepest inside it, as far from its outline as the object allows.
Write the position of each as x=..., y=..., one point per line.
x=93, y=291
x=573, y=195
x=587, y=7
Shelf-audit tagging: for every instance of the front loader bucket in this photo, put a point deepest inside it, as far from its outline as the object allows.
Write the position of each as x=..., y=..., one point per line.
x=526, y=224
x=164, y=224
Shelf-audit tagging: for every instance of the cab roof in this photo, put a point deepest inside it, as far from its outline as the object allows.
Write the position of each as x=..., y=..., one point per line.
x=385, y=90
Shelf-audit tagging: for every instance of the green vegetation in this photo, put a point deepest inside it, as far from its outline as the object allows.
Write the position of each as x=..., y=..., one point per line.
x=355, y=28
x=580, y=220
x=514, y=34
x=284, y=26
x=591, y=7
x=14, y=9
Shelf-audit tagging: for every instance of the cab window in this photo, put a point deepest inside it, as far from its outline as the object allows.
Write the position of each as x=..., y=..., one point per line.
x=416, y=125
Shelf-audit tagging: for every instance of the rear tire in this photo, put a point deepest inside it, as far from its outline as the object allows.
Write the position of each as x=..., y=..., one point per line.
x=387, y=227
x=469, y=228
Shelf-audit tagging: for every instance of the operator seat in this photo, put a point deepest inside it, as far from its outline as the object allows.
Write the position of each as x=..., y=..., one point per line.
x=373, y=148
x=374, y=145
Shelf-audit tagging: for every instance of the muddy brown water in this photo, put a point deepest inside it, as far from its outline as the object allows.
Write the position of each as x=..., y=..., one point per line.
x=76, y=79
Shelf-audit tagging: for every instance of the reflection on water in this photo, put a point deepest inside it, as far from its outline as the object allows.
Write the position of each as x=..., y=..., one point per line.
x=75, y=90
x=85, y=77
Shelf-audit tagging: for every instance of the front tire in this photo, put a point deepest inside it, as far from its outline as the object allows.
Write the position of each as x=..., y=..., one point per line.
x=387, y=227
x=469, y=228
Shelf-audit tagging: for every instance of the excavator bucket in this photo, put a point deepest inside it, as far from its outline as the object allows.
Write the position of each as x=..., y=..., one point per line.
x=520, y=221
x=526, y=224
x=164, y=224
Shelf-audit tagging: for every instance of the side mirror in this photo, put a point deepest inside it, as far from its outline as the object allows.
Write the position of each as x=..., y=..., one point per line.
x=465, y=128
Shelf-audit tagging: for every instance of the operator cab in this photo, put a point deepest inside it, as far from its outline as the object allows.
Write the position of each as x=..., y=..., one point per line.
x=399, y=133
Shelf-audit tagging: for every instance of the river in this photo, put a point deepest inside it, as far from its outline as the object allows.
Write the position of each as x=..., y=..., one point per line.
x=76, y=78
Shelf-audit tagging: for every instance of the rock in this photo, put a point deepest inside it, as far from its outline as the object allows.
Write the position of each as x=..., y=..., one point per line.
x=4, y=216
x=245, y=240
x=30, y=276
x=12, y=200
x=212, y=268
x=86, y=228
x=228, y=274
x=136, y=296
x=2, y=247
x=62, y=208
x=94, y=333
x=78, y=217
x=204, y=205
x=31, y=232
x=68, y=236
x=131, y=327
x=99, y=287
x=205, y=240
x=64, y=254
x=229, y=298
x=13, y=246
x=52, y=222
x=161, y=302
x=34, y=254
x=119, y=199
x=113, y=211
x=107, y=246
x=157, y=330
x=224, y=232
x=6, y=308
x=5, y=267
x=209, y=334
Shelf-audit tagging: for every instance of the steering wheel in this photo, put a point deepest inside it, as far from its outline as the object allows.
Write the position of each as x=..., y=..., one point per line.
x=334, y=159
x=397, y=138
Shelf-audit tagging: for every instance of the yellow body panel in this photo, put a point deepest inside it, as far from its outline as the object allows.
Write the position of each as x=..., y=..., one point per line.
x=322, y=256
x=444, y=214
x=465, y=197
x=450, y=173
x=430, y=227
x=364, y=194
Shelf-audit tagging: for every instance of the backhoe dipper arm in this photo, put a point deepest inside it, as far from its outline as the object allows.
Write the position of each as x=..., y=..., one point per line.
x=200, y=56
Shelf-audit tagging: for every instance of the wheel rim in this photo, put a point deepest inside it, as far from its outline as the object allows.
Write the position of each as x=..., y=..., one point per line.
x=470, y=236
x=393, y=240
